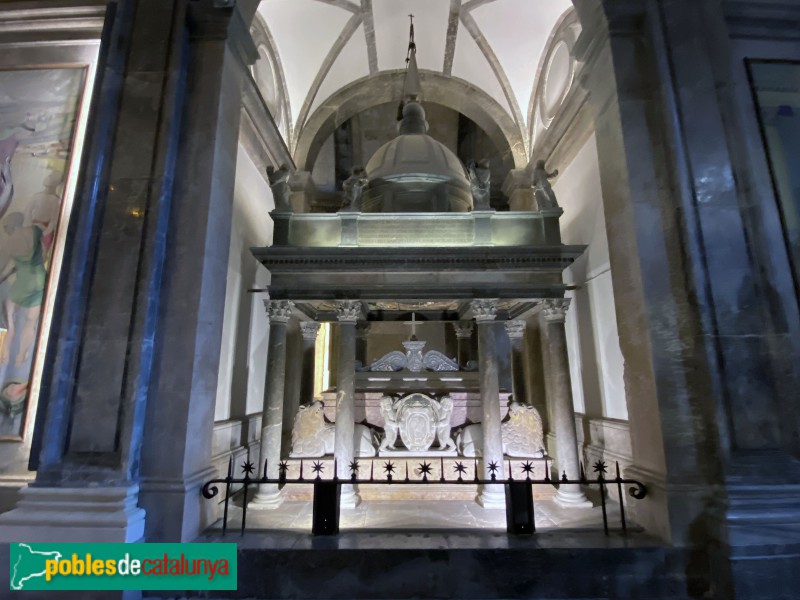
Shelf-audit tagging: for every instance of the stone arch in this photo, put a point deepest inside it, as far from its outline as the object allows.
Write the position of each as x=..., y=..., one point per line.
x=385, y=87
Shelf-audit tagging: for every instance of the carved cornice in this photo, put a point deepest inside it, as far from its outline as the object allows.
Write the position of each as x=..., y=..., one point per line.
x=348, y=311
x=309, y=330
x=515, y=329
x=463, y=329
x=21, y=23
x=762, y=20
x=555, y=310
x=279, y=311
x=484, y=309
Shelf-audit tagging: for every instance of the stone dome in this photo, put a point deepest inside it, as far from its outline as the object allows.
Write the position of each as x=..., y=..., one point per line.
x=416, y=173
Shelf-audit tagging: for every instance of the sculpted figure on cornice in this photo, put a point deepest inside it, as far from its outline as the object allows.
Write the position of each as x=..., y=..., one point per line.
x=480, y=181
x=543, y=191
x=279, y=184
x=353, y=188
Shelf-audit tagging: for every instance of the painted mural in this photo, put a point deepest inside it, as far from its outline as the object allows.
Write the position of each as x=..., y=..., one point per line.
x=38, y=115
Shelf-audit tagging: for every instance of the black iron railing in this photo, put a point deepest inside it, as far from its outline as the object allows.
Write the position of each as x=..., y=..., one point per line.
x=518, y=491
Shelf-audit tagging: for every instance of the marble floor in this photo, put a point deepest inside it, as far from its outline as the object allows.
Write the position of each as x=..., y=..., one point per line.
x=295, y=515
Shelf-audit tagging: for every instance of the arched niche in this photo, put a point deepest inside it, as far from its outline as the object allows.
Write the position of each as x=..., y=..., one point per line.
x=387, y=87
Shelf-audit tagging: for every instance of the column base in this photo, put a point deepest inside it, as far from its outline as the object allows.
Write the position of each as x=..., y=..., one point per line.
x=571, y=498
x=349, y=497
x=492, y=496
x=268, y=497
x=91, y=514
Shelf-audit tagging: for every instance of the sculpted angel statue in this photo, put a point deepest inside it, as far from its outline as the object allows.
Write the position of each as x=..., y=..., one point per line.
x=480, y=181
x=543, y=192
x=390, y=427
x=279, y=184
x=353, y=188
x=443, y=424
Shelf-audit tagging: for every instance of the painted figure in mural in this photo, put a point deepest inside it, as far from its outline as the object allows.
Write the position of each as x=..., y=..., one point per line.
x=279, y=184
x=480, y=181
x=10, y=140
x=22, y=249
x=542, y=190
x=353, y=188
x=43, y=211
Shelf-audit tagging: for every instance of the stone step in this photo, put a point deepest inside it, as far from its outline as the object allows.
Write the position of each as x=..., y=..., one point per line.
x=381, y=565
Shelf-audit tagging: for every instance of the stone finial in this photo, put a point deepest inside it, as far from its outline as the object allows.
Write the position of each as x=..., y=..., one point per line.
x=463, y=329
x=280, y=311
x=348, y=311
x=515, y=329
x=309, y=330
x=484, y=309
x=555, y=310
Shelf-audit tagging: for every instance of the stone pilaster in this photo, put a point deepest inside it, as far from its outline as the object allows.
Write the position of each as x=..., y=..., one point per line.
x=485, y=312
x=362, y=333
x=517, y=188
x=301, y=191
x=280, y=311
x=463, y=331
x=560, y=395
x=309, y=331
x=348, y=313
x=516, y=335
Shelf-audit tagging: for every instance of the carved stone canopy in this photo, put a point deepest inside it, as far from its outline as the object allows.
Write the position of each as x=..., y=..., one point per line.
x=414, y=360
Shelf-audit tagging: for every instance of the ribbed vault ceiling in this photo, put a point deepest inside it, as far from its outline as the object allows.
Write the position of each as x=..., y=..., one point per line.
x=495, y=45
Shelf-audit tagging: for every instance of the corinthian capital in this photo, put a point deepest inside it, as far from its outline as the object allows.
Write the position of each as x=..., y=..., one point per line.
x=348, y=311
x=463, y=329
x=515, y=329
x=279, y=311
x=309, y=330
x=484, y=309
x=555, y=310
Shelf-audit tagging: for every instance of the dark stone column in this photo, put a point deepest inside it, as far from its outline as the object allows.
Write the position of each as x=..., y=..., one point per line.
x=348, y=313
x=560, y=394
x=516, y=335
x=362, y=332
x=309, y=331
x=280, y=311
x=484, y=311
x=464, y=336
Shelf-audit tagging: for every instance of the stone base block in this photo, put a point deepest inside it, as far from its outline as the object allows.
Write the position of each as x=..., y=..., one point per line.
x=268, y=497
x=492, y=496
x=571, y=498
x=46, y=514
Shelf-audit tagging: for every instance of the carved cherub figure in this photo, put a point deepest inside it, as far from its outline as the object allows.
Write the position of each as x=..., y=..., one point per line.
x=446, y=442
x=480, y=181
x=542, y=190
x=353, y=188
x=279, y=184
x=390, y=426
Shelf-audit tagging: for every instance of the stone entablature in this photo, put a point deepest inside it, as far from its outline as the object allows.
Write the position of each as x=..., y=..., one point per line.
x=477, y=228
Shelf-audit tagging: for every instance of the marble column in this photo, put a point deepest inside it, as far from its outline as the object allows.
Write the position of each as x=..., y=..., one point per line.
x=268, y=495
x=516, y=335
x=348, y=313
x=463, y=331
x=563, y=411
x=484, y=312
x=309, y=331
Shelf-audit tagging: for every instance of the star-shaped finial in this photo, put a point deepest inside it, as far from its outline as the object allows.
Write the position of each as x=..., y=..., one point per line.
x=388, y=468
x=354, y=467
x=425, y=469
x=248, y=468
x=600, y=467
x=527, y=467
x=493, y=467
x=318, y=467
x=283, y=467
x=460, y=468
